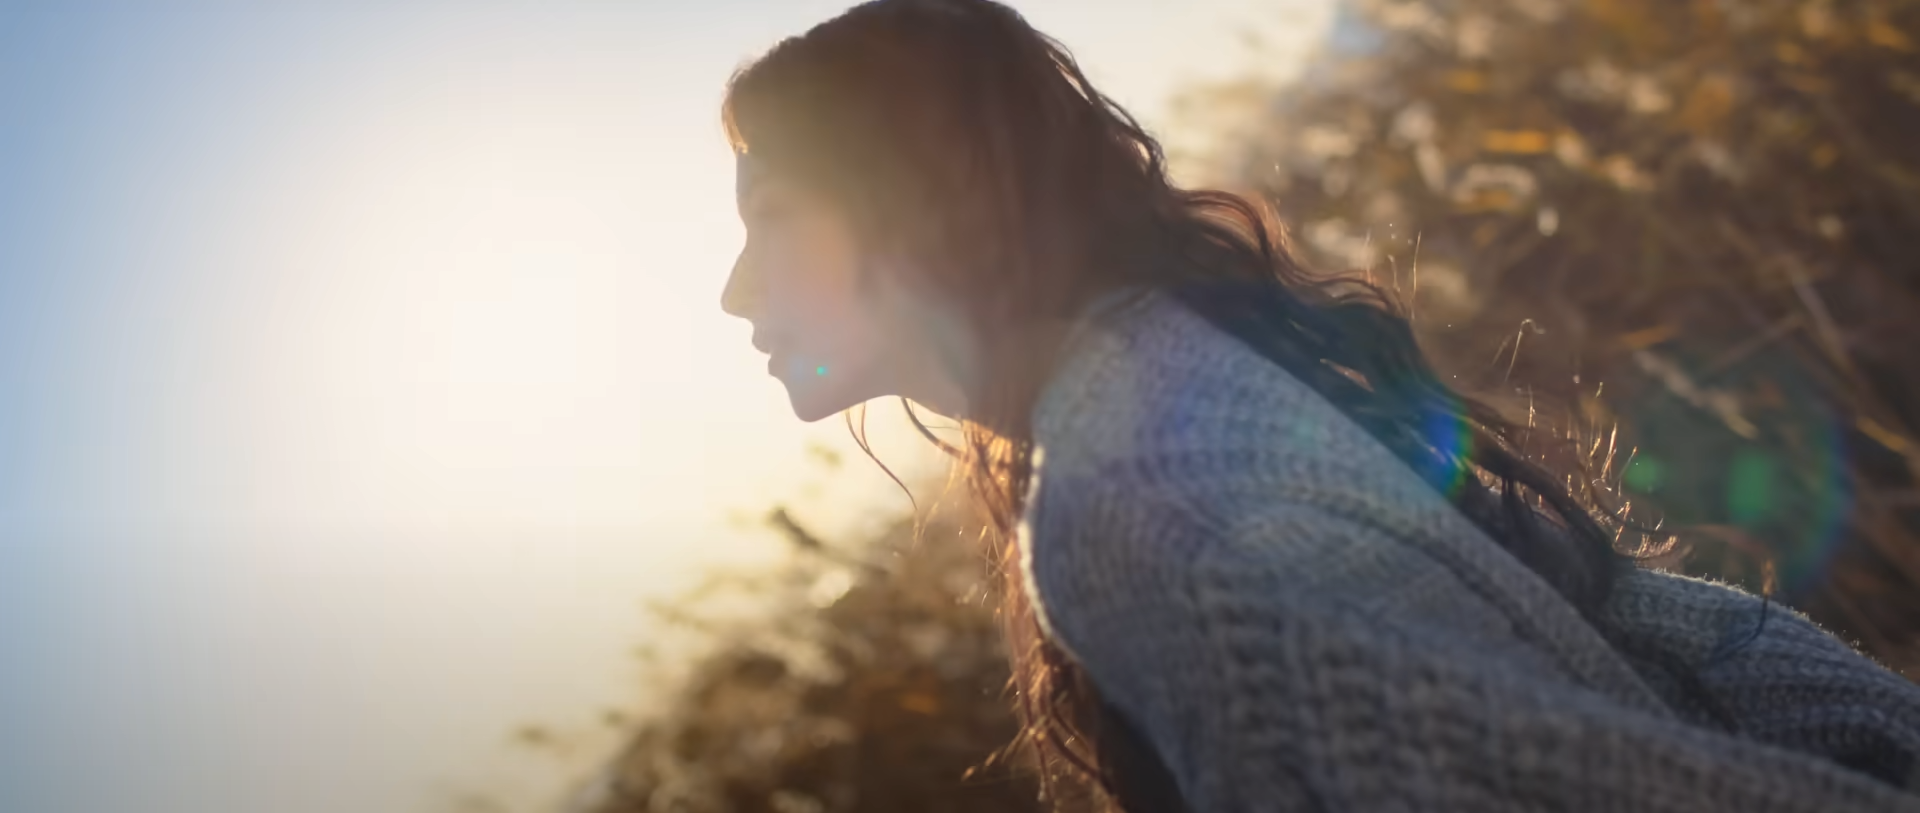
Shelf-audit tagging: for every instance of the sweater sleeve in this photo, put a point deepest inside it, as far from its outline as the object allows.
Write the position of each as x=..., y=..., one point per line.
x=1261, y=691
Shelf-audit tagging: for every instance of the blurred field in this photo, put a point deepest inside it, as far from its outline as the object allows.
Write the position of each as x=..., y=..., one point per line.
x=1680, y=230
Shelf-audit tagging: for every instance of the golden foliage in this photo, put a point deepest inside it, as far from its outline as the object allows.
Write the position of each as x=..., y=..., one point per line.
x=870, y=680
x=1712, y=207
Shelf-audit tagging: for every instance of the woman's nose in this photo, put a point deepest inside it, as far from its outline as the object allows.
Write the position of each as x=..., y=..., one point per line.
x=741, y=297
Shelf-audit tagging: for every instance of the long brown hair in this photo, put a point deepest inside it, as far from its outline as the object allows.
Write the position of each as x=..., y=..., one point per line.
x=954, y=132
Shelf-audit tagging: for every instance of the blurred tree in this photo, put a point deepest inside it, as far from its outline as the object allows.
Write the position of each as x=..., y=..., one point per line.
x=862, y=680
x=1692, y=219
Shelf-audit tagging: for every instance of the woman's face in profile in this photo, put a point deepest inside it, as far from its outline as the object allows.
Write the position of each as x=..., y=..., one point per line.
x=833, y=338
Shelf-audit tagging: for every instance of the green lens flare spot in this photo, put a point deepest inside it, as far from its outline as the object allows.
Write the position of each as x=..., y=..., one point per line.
x=820, y=370
x=1645, y=475
x=1751, y=482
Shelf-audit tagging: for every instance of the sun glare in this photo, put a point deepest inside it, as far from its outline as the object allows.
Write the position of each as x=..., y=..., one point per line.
x=392, y=372
x=513, y=323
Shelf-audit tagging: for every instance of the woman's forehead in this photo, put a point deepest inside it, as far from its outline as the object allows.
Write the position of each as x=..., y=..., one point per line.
x=747, y=174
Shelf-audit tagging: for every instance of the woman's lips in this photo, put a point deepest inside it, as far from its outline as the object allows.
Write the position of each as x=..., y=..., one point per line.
x=767, y=341
x=779, y=364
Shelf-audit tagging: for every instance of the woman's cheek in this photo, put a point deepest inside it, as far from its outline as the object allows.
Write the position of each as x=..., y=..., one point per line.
x=830, y=296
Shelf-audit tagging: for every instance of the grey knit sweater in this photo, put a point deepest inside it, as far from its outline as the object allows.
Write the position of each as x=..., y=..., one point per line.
x=1293, y=620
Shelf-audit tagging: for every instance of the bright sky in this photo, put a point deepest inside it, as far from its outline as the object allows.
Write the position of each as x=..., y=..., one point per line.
x=360, y=370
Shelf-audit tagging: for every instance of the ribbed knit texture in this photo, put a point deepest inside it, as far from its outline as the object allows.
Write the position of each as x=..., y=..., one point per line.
x=1295, y=621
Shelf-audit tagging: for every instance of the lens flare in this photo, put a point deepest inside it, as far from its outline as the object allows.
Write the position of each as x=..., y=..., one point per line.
x=1815, y=535
x=1445, y=431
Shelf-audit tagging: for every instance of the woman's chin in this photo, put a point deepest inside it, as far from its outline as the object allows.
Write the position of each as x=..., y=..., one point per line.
x=816, y=398
x=809, y=406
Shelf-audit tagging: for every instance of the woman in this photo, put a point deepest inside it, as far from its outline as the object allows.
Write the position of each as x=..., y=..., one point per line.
x=1258, y=556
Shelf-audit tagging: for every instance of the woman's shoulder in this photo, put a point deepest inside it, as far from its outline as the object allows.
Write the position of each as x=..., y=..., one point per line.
x=1168, y=447
x=1721, y=628
x=1145, y=382
x=1772, y=673
x=1137, y=343
x=1155, y=411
